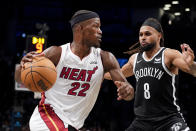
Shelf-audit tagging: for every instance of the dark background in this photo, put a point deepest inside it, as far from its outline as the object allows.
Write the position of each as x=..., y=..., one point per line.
x=120, y=25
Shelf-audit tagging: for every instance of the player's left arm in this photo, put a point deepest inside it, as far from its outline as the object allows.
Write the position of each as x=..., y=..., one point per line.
x=111, y=65
x=185, y=60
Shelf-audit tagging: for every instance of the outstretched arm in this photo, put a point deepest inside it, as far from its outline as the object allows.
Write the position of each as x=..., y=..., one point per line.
x=111, y=65
x=183, y=61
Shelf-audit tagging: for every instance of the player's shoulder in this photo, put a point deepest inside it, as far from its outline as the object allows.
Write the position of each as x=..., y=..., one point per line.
x=108, y=59
x=170, y=49
x=105, y=54
x=169, y=52
x=58, y=48
x=52, y=50
x=53, y=53
x=132, y=58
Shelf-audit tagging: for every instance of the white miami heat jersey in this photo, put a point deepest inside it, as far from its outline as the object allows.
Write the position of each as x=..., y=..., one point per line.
x=77, y=86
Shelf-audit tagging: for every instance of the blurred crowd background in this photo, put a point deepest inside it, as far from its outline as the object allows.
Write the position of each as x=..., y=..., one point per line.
x=120, y=25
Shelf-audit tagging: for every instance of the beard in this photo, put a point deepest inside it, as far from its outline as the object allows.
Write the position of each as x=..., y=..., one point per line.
x=148, y=47
x=96, y=44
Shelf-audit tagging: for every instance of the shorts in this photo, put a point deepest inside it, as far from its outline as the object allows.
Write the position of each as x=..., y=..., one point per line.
x=45, y=119
x=174, y=122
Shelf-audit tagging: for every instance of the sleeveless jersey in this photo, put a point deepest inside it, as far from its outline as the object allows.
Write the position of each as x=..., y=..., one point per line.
x=155, y=87
x=77, y=86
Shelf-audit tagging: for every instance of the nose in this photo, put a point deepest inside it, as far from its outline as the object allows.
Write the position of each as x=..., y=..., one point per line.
x=99, y=31
x=143, y=37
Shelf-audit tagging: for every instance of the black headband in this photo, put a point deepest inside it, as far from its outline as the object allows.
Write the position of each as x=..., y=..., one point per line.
x=152, y=23
x=83, y=17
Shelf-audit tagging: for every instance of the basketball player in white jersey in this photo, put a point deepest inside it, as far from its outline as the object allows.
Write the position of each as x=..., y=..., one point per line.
x=156, y=71
x=80, y=68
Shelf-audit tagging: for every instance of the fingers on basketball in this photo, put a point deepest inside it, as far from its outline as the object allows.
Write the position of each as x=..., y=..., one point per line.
x=39, y=75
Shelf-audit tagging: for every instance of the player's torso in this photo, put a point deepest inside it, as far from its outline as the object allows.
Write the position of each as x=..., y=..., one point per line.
x=155, y=86
x=77, y=85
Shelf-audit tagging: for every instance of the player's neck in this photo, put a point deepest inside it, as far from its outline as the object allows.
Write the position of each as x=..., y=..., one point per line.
x=80, y=49
x=152, y=52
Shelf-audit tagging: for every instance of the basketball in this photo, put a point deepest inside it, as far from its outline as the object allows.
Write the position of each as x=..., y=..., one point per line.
x=39, y=75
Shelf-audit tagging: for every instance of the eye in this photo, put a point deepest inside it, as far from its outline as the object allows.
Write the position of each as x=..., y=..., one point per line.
x=140, y=34
x=147, y=33
x=97, y=26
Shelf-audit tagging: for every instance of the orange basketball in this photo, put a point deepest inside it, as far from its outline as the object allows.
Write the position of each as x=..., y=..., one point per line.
x=39, y=75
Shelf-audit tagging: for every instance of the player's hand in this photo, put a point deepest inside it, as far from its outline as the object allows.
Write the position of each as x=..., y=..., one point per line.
x=188, y=54
x=107, y=76
x=29, y=57
x=125, y=90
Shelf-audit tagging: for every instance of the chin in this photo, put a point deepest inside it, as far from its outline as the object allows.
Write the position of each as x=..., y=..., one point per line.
x=97, y=45
x=148, y=47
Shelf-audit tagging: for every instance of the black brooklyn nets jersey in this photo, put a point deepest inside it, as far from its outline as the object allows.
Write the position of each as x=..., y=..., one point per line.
x=155, y=87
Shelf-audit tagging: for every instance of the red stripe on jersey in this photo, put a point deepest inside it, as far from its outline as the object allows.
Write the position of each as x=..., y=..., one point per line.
x=48, y=115
x=42, y=98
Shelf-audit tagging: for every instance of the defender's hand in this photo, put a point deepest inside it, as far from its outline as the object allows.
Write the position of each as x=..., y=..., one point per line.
x=125, y=90
x=188, y=54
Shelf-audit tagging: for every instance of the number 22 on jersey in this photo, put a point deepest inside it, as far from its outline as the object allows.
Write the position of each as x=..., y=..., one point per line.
x=77, y=85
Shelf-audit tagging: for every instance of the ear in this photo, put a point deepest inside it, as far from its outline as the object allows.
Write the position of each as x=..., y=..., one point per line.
x=160, y=35
x=77, y=27
x=80, y=27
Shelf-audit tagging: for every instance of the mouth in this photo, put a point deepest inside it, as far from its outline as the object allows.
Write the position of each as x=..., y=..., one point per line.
x=144, y=43
x=99, y=39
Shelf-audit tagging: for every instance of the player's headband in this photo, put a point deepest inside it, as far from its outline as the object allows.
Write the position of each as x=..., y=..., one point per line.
x=83, y=17
x=152, y=23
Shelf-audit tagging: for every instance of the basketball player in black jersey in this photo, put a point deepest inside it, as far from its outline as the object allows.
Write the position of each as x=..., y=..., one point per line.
x=156, y=71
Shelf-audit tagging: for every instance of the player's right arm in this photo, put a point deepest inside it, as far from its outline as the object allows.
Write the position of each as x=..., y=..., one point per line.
x=53, y=53
x=111, y=65
x=127, y=69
